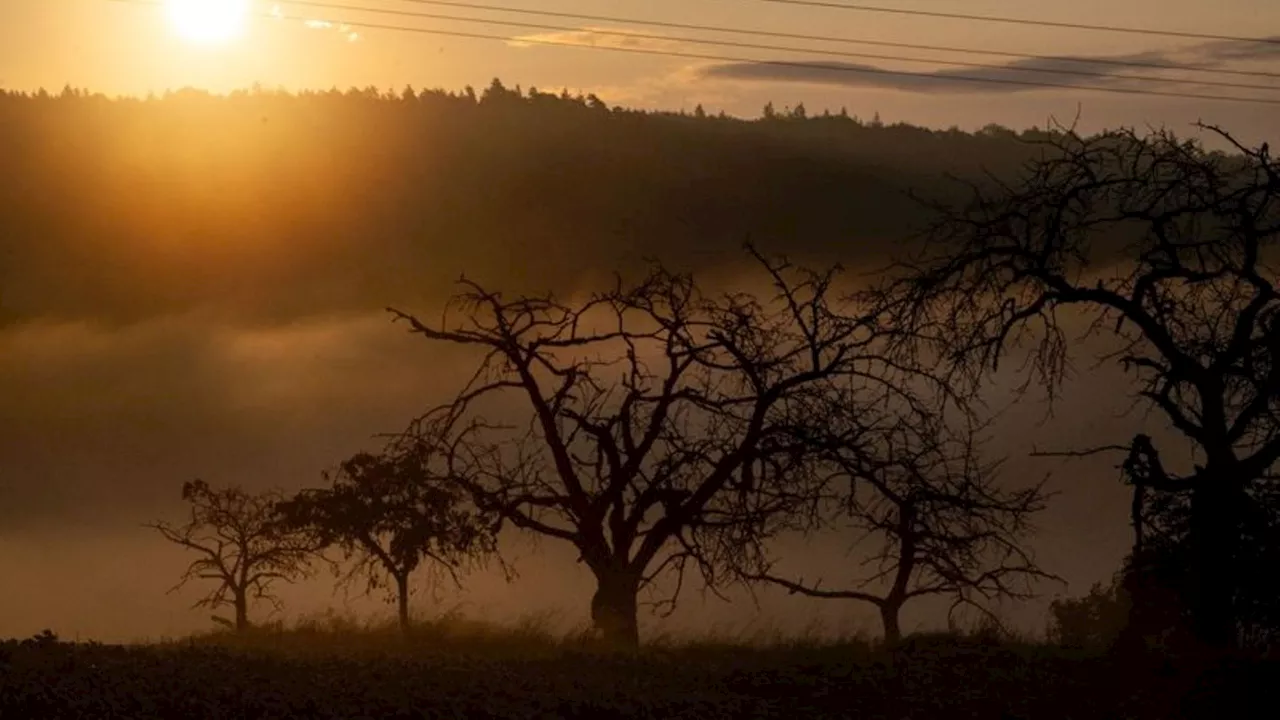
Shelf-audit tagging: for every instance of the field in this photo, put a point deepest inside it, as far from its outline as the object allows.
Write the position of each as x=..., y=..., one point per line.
x=346, y=673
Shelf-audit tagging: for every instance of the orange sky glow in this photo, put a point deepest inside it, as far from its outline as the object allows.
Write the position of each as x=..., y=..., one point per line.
x=148, y=404
x=134, y=47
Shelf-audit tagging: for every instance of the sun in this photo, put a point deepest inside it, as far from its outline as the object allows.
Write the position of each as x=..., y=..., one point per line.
x=208, y=22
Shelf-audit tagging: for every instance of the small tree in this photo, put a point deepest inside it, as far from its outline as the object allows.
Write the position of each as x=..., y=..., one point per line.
x=389, y=513
x=928, y=515
x=241, y=545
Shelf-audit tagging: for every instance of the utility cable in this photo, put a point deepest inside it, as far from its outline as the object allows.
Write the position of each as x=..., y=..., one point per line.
x=828, y=4
x=753, y=61
x=833, y=39
x=776, y=48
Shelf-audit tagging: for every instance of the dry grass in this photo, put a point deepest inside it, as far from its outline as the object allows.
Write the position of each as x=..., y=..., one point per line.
x=335, y=666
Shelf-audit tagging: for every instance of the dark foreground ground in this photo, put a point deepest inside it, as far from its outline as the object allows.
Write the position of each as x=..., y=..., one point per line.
x=939, y=677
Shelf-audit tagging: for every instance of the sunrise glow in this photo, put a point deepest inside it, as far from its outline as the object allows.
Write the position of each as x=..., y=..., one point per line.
x=209, y=22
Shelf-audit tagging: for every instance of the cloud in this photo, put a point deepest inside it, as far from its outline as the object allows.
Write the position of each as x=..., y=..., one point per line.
x=103, y=421
x=601, y=37
x=1220, y=51
x=1014, y=76
x=1020, y=75
x=341, y=28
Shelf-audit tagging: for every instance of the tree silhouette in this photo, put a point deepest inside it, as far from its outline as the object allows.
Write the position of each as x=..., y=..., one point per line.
x=389, y=514
x=1158, y=571
x=926, y=511
x=1168, y=249
x=650, y=418
x=241, y=545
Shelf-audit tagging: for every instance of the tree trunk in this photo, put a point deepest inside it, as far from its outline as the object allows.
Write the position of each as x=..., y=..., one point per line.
x=242, y=611
x=402, y=590
x=889, y=618
x=1214, y=536
x=614, y=608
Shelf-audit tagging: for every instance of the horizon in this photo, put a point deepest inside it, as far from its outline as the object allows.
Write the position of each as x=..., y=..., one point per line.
x=201, y=291
x=874, y=120
x=136, y=48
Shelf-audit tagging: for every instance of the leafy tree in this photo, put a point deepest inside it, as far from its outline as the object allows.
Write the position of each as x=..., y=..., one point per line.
x=390, y=514
x=1158, y=571
x=241, y=545
x=1093, y=621
x=996, y=130
x=1169, y=250
x=596, y=104
x=639, y=409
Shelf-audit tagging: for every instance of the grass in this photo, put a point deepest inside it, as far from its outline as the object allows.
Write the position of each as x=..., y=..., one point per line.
x=451, y=666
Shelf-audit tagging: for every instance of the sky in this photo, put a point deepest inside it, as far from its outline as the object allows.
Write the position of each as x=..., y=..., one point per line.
x=102, y=424
x=132, y=48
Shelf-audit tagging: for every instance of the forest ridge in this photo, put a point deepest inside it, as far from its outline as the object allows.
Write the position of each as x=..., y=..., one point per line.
x=323, y=202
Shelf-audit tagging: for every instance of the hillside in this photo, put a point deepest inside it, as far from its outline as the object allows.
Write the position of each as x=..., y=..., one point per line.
x=273, y=206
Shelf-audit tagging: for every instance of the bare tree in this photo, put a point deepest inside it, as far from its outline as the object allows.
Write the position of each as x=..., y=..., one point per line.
x=644, y=420
x=1169, y=250
x=925, y=512
x=240, y=544
x=390, y=513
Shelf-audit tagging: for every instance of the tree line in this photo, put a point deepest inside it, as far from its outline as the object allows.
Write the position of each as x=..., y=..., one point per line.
x=663, y=430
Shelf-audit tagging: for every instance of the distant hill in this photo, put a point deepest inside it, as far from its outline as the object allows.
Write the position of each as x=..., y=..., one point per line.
x=272, y=205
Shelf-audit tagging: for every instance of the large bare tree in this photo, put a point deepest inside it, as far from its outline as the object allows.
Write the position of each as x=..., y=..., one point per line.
x=1168, y=252
x=924, y=512
x=640, y=422
x=241, y=547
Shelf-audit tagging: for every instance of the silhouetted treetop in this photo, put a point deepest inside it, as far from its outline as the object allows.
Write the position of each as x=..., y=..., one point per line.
x=1168, y=253
x=652, y=427
x=241, y=545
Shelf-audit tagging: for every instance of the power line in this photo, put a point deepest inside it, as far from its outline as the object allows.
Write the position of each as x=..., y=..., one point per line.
x=832, y=39
x=778, y=48
x=1026, y=21
x=753, y=61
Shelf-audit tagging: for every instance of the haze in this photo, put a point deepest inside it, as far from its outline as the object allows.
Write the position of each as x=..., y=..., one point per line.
x=194, y=287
